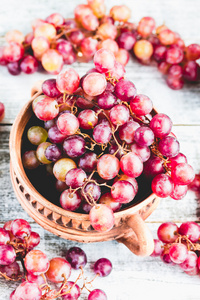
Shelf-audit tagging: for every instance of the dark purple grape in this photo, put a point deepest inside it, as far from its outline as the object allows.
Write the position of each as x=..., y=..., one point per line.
x=88, y=162
x=14, y=68
x=55, y=135
x=53, y=153
x=103, y=267
x=76, y=257
x=50, y=89
x=74, y=146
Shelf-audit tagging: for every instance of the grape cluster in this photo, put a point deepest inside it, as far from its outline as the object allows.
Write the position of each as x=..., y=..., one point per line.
x=98, y=137
x=179, y=245
x=17, y=243
x=57, y=41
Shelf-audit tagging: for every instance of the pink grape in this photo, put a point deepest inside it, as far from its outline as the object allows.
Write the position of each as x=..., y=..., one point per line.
x=146, y=26
x=13, y=52
x=67, y=123
x=174, y=83
x=4, y=236
x=88, y=162
x=30, y=160
x=2, y=111
x=109, y=45
x=179, y=158
x=169, y=146
x=191, y=230
x=191, y=71
x=20, y=228
x=141, y=105
x=94, y=84
x=127, y=131
x=142, y=151
x=76, y=257
x=75, y=178
x=166, y=258
x=97, y=295
x=88, y=47
x=103, y=267
x=29, y=64
x=153, y=166
x=161, y=125
x=101, y=217
x=68, y=81
x=76, y=37
x=119, y=114
x=3, y=61
x=55, y=19
x=175, y=71
x=33, y=240
x=28, y=291
x=182, y=174
x=104, y=60
x=174, y=55
x=74, y=146
x=158, y=248
x=131, y=165
x=162, y=185
x=109, y=201
x=74, y=291
x=107, y=100
x=70, y=201
x=46, y=109
x=178, y=253
x=125, y=90
x=132, y=180
x=36, y=279
x=90, y=22
x=123, y=191
x=7, y=255
x=58, y=266
x=102, y=133
x=122, y=57
x=179, y=191
x=11, y=270
x=159, y=53
x=190, y=263
x=87, y=119
x=118, y=71
x=126, y=40
x=167, y=232
x=193, y=52
x=36, y=262
x=144, y=136
x=93, y=192
x=50, y=89
x=108, y=166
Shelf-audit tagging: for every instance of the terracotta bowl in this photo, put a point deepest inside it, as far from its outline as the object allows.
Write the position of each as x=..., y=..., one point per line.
x=129, y=227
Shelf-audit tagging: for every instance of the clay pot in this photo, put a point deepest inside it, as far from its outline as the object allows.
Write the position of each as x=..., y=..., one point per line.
x=129, y=227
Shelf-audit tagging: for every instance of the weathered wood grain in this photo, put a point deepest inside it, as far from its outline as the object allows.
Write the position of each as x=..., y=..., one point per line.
x=132, y=277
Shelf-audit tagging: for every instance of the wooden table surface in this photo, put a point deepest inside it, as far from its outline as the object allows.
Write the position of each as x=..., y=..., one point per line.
x=132, y=277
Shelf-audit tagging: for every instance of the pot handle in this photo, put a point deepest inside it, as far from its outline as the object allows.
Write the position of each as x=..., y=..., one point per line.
x=139, y=240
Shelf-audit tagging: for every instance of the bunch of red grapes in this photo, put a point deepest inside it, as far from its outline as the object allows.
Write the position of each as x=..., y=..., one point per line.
x=17, y=243
x=101, y=137
x=179, y=245
x=57, y=41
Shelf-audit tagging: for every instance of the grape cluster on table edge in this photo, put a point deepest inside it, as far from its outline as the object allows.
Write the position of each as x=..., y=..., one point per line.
x=56, y=41
x=37, y=272
x=102, y=137
x=179, y=246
